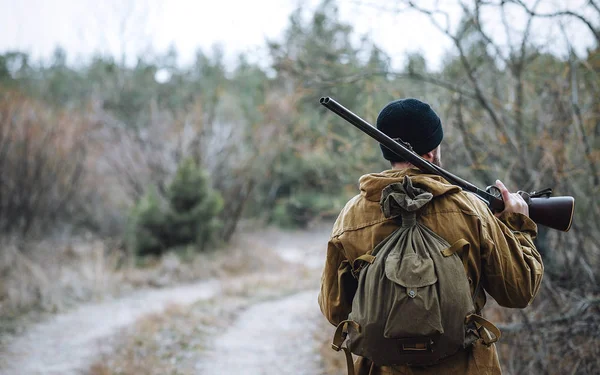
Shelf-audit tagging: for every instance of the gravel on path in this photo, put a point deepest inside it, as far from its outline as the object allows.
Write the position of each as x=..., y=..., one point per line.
x=67, y=343
x=274, y=337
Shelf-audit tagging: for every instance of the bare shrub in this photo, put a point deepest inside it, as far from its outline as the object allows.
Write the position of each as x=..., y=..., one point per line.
x=237, y=154
x=559, y=334
x=42, y=164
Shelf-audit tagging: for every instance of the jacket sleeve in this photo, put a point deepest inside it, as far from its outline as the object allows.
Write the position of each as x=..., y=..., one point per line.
x=337, y=285
x=512, y=266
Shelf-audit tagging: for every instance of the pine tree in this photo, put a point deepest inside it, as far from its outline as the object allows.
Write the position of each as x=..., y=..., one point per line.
x=147, y=234
x=193, y=207
x=188, y=217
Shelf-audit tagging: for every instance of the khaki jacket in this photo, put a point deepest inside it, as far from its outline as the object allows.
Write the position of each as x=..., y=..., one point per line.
x=502, y=258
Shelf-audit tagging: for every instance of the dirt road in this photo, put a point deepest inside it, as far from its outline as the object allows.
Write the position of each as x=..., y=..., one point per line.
x=269, y=338
x=67, y=343
x=273, y=331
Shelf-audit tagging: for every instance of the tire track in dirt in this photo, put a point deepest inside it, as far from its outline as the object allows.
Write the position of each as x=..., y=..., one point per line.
x=67, y=343
x=279, y=331
x=274, y=337
x=278, y=336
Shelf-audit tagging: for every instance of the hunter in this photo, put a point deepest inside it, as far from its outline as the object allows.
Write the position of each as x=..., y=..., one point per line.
x=502, y=260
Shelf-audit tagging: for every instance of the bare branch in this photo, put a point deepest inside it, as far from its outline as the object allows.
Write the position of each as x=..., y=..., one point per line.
x=574, y=313
x=478, y=25
x=480, y=96
x=344, y=80
x=566, y=13
x=594, y=5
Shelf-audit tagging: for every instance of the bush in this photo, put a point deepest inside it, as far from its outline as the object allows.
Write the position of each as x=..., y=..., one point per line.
x=194, y=207
x=298, y=210
x=147, y=233
x=187, y=215
x=43, y=157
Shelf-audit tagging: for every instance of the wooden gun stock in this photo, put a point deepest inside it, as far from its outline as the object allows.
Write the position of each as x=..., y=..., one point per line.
x=552, y=212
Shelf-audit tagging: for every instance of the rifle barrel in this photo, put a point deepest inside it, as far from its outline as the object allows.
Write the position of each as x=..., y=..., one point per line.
x=493, y=202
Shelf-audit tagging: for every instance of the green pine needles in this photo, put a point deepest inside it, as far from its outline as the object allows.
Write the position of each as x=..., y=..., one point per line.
x=187, y=215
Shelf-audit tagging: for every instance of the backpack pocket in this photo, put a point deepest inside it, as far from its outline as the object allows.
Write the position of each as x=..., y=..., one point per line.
x=415, y=305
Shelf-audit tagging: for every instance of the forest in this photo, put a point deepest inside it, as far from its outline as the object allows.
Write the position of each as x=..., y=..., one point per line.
x=154, y=157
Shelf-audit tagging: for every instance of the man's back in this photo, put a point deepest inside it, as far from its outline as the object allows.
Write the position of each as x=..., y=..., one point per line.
x=501, y=257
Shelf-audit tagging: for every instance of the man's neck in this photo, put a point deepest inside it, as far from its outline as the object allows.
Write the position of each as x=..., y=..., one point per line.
x=402, y=166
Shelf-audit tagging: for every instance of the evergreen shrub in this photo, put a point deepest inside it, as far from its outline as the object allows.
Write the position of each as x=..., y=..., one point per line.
x=186, y=215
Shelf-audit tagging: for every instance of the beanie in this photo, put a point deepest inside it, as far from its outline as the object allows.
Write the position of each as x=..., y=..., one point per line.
x=412, y=121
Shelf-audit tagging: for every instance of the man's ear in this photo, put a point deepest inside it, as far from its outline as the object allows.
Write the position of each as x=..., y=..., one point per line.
x=429, y=156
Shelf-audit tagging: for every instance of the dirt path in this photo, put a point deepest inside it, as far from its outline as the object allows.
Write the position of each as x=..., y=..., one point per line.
x=68, y=343
x=272, y=337
x=279, y=336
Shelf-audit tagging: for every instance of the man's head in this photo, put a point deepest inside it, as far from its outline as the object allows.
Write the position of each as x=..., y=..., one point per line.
x=413, y=122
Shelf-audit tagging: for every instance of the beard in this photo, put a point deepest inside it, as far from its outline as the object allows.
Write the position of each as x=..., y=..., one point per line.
x=436, y=160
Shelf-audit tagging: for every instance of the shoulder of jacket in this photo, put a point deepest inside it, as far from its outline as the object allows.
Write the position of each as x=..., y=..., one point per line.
x=473, y=205
x=482, y=211
x=358, y=213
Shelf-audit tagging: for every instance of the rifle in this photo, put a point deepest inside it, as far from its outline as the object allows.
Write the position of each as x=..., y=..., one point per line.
x=553, y=212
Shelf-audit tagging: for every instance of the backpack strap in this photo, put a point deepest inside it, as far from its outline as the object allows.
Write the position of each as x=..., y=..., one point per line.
x=341, y=332
x=360, y=262
x=484, y=327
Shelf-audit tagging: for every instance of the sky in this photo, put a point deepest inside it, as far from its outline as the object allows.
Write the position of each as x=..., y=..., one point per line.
x=128, y=28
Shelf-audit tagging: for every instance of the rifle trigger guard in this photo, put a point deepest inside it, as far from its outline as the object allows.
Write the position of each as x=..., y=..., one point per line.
x=494, y=190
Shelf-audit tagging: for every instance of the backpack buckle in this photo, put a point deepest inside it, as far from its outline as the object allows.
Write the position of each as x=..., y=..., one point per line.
x=484, y=328
x=416, y=344
x=360, y=263
x=341, y=332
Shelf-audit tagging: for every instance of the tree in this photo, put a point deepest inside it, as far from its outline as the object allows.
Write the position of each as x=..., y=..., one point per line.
x=188, y=215
x=193, y=208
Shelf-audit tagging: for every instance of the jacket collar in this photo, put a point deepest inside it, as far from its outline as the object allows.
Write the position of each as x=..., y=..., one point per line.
x=372, y=184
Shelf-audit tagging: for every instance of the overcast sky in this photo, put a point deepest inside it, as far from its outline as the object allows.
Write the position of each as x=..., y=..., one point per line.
x=85, y=27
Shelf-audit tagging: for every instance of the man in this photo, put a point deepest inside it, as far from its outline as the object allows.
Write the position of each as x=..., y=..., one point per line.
x=502, y=259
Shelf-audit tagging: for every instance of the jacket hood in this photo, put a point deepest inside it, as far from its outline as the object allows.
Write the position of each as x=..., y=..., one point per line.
x=372, y=184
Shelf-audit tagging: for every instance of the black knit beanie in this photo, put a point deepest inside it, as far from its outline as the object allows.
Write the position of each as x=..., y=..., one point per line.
x=413, y=122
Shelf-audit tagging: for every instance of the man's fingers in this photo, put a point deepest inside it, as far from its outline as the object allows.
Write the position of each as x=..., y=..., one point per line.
x=512, y=202
x=503, y=190
x=519, y=198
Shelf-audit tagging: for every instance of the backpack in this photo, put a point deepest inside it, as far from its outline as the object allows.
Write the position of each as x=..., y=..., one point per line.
x=413, y=305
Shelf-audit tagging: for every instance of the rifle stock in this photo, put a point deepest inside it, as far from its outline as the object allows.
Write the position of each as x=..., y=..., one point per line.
x=553, y=212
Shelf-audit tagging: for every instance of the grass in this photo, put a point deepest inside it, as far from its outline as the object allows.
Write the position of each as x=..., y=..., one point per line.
x=174, y=341
x=42, y=278
x=49, y=277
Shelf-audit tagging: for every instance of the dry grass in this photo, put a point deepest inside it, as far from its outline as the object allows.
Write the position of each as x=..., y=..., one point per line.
x=174, y=342
x=38, y=279
x=169, y=342
x=51, y=277
x=158, y=343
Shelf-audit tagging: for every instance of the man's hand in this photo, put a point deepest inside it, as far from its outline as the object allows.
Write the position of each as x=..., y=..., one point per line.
x=513, y=202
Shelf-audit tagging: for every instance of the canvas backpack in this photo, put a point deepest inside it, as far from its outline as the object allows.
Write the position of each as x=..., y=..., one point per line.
x=413, y=305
